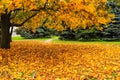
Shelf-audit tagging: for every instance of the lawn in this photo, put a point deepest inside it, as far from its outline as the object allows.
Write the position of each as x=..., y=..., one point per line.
x=38, y=60
x=17, y=38
x=55, y=39
x=21, y=38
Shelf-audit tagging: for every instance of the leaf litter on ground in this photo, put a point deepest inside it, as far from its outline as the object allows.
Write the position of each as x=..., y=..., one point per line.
x=34, y=60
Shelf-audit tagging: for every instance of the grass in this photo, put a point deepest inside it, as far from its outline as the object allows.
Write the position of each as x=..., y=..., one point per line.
x=56, y=40
x=21, y=38
x=88, y=42
x=17, y=38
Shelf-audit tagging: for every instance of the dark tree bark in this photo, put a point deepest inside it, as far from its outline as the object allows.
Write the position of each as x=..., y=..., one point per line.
x=5, y=35
x=6, y=24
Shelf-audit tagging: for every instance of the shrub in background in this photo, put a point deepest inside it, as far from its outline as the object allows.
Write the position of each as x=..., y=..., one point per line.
x=40, y=32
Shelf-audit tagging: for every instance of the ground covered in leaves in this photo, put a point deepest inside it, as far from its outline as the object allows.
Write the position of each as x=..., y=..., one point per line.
x=34, y=60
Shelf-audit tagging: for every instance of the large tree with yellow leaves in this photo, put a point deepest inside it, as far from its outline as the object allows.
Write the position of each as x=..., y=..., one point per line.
x=60, y=14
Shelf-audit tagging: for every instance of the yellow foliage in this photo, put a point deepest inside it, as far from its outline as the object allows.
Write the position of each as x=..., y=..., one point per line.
x=28, y=60
x=74, y=13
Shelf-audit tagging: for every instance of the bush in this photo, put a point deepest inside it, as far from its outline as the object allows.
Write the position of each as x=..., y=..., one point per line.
x=92, y=34
x=80, y=34
x=40, y=32
x=25, y=33
x=67, y=35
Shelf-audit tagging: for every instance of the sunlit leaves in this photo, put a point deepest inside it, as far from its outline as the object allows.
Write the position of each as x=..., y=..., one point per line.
x=83, y=13
x=73, y=13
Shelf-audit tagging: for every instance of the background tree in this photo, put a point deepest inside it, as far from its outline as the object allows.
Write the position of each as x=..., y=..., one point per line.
x=71, y=13
x=113, y=31
x=41, y=32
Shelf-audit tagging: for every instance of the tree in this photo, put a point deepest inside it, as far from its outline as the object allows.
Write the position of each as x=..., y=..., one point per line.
x=113, y=31
x=61, y=14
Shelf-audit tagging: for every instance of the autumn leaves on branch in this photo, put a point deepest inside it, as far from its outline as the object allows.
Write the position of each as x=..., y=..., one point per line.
x=61, y=14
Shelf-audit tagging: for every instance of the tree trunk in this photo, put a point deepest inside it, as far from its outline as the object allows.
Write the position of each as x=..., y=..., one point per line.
x=5, y=36
x=11, y=31
x=10, y=38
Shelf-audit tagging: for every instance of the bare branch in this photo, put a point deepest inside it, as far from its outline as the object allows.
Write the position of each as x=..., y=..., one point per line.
x=46, y=4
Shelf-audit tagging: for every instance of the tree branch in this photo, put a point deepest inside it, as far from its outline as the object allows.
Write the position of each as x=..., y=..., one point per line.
x=39, y=9
x=46, y=4
x=18, y=25
x=44, y=8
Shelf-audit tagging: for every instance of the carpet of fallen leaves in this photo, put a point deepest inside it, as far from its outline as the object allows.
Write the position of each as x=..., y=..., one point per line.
x=34, y=60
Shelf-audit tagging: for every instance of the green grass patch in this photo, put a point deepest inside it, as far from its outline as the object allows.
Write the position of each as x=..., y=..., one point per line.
x=21, y=38
x=17, y=38
x=56, y=40
x=87, y=42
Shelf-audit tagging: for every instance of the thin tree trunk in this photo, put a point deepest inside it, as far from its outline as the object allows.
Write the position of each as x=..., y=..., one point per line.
x=11, y=31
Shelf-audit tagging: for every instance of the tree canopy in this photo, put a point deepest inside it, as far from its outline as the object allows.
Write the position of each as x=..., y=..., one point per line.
x=60, y=14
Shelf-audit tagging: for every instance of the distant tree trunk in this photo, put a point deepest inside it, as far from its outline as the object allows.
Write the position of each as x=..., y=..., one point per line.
x=11, y=31
x=5, y=35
